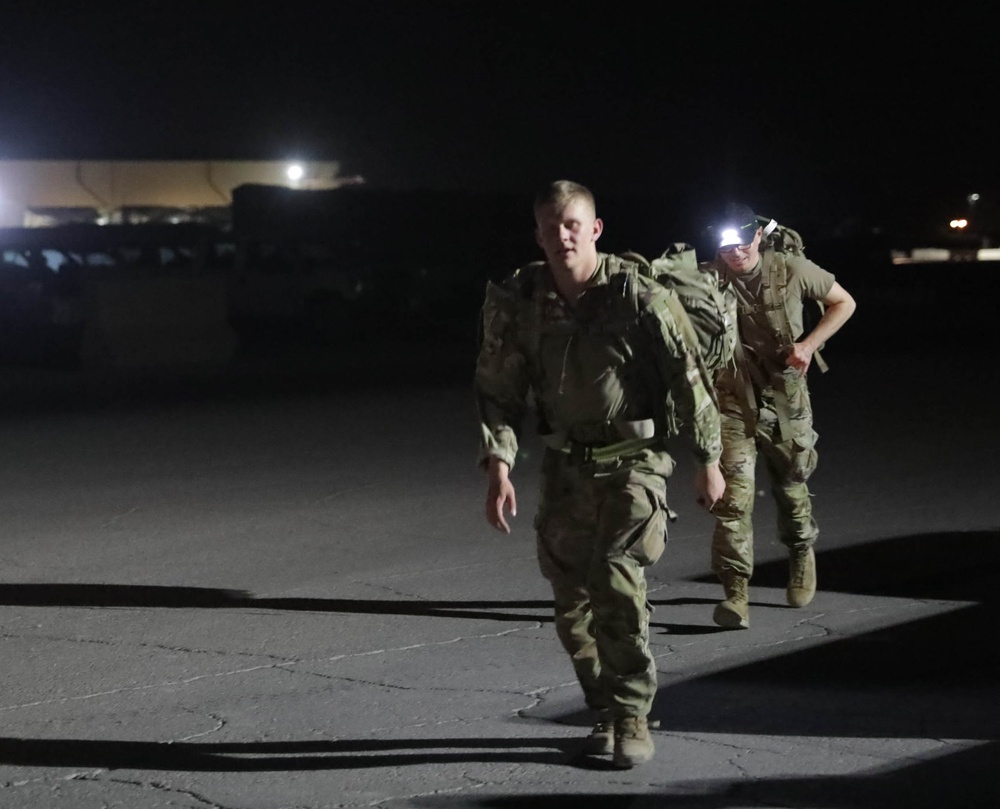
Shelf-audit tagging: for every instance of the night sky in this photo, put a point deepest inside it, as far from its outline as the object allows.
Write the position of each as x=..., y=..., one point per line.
x=815, y=111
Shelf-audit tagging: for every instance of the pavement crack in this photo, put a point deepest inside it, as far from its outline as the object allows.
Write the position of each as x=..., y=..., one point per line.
x=341, y=492
x=411, y=796
x=109, y=522
x=159, y=646
x=436, y=569
x=250, y=669
x=160, y=786
x=220, y=724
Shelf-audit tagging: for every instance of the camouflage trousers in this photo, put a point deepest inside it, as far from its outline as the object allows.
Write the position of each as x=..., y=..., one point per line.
x=790, y=462
x=598, y=526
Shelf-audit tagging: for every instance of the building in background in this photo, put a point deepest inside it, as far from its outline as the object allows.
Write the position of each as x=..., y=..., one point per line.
x=51, y=192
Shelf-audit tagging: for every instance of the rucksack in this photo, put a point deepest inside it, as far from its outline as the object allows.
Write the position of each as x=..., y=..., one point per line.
x=785, y=241
x=711, y=310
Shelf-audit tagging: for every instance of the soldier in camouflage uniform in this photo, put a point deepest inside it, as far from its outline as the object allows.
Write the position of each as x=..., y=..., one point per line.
x=764, y=401
x=608, y=360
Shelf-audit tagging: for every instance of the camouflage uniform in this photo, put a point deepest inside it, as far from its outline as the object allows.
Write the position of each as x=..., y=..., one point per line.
x=765, y=406
x=610, y=380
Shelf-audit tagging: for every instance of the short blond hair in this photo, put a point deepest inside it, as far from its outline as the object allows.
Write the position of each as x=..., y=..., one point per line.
x=561, y=193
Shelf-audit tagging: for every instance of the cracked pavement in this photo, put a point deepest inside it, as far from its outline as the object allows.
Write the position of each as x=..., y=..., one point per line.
x=289, y=600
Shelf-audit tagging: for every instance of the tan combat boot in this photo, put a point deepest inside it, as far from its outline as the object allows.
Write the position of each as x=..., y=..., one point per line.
x=801, y=576
x=633, y=744
x=734, y=612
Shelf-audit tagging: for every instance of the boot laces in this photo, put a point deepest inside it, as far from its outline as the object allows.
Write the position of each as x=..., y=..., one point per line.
x=799, y=562
x=632, y=726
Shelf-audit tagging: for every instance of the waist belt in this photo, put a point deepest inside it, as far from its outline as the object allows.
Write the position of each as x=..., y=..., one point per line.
x=583, y=453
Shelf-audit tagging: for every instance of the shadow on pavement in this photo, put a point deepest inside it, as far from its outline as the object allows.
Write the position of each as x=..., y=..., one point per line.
x=954, y=566
x=279, y=756
x=166, y=597
x=930, y=678
x=933, y=677
x=953, y=780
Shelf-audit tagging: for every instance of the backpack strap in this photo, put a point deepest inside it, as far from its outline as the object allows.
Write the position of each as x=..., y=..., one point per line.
x=774, y=278
x=775, y=283
x=779, y=282
x=623, y=269
x=744, y=389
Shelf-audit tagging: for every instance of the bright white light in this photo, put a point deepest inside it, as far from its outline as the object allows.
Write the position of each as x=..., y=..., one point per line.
x=295, y=172
x=973, y=198
x=959, y=223
x=730, y=236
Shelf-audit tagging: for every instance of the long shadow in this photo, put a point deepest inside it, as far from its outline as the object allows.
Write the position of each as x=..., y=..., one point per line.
x=931, y=678
x=167, y=597
x=953, y=780
x=934, y=677
x=952, y=565
x=693, y=629
x=280, y=756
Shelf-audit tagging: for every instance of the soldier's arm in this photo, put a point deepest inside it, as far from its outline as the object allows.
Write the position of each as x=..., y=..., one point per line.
x=502, y=383
x=685, y=375
x=838, y=306
x=697, y=409
x=501, y=379
x=500, y=495
x=693, y=397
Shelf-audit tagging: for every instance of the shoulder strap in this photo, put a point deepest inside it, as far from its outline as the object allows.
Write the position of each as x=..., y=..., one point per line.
x=643, y=263
x=776, y=297
x=780, y=278
x=623, y=269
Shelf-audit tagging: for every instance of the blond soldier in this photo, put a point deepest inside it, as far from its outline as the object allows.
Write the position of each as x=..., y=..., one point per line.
x=608, y=359
x=764, y=401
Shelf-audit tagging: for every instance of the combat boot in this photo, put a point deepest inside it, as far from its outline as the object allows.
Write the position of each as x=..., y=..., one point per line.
x=601, y=741
x=801, y=576
x=734, y=612
x=633, y=744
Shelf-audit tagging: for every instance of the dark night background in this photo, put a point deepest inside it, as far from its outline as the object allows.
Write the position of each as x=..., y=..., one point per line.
x=271, y=584
x=821, y=114
x=863, y=127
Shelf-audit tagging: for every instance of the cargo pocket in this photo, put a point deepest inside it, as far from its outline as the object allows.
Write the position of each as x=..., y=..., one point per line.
x=804, y=458
x=650, y=539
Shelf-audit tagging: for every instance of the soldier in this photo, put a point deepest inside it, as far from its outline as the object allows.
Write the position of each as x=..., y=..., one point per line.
x=608, y=359
x=764, y=401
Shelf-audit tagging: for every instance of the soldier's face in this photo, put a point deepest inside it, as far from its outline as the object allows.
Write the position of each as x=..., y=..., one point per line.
x=742, y=257
x=568, y=234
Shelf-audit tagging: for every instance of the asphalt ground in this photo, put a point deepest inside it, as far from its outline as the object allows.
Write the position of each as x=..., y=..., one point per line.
x=273, y=586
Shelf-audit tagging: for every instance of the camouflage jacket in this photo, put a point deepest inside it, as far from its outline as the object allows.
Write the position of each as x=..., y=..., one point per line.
x=626, y=353
x=770, y=318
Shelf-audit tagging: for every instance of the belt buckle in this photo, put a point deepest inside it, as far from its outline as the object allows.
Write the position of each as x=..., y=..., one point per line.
x=580, y=453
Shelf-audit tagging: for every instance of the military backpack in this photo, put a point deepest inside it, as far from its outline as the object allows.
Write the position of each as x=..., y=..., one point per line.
x=710, y=308
x=782, y=241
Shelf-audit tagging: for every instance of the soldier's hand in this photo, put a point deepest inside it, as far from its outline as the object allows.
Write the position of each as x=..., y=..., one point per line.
x=500, y=497
x=710, y=485
x=800, y=357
